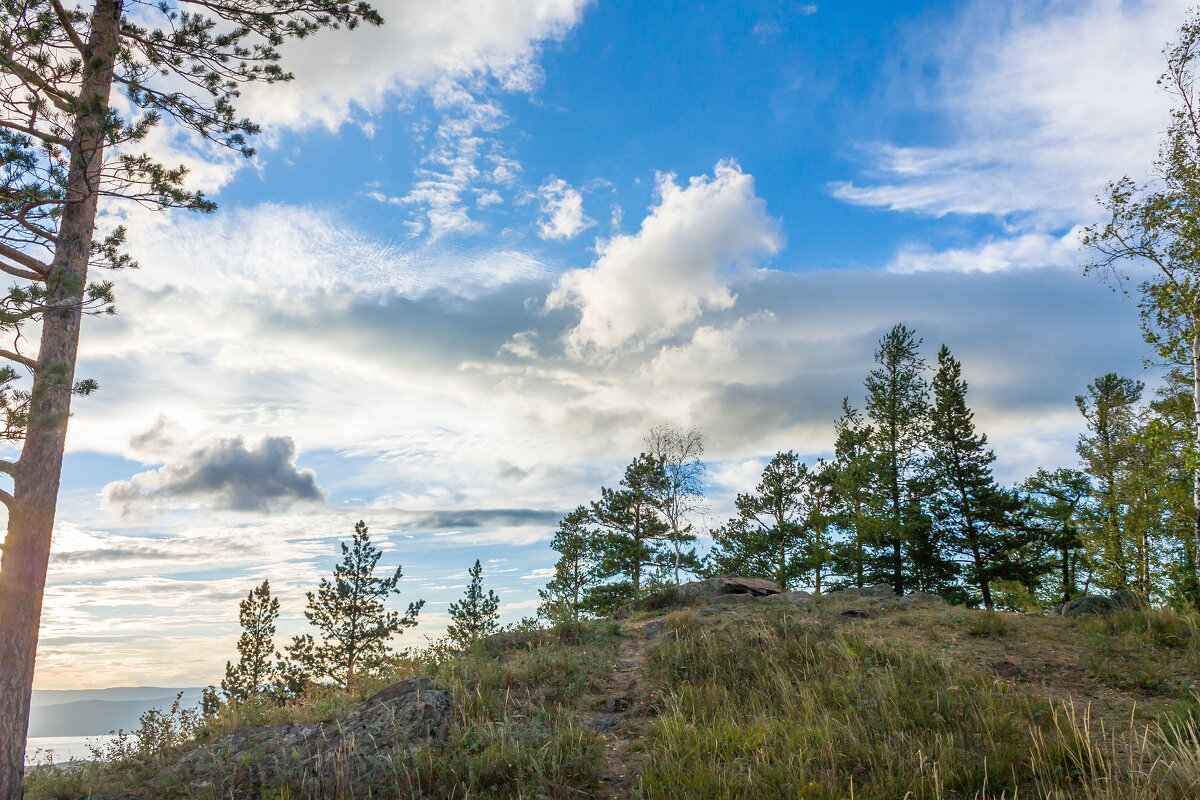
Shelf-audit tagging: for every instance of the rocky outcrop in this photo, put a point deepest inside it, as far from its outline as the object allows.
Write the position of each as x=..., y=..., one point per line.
x=1120, y=600
x=724, y=587
x=356, y=750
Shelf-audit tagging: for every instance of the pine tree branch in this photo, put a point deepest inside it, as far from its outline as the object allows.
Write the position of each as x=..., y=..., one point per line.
x=8, y=467
x=7, y=498
x=24, y=361
x=48, y=138
x=35, y=270
x=68, y=28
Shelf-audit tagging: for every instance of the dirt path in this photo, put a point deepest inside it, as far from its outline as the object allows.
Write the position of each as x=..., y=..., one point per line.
x=618, y=715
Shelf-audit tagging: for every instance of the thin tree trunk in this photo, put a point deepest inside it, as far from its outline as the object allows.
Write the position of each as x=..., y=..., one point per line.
x=38, y=472
x=1196, y=435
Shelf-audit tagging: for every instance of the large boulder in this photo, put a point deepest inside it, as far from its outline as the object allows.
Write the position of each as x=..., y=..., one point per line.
x=357, y=749
x=724, y=588
x=1120, y=600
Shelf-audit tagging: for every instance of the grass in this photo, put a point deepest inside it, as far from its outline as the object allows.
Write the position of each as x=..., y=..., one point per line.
x=517, y=698
x=794, y=705
x=765, y=700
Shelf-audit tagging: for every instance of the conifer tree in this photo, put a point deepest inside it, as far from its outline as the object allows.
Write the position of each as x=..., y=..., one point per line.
x=978, y=518
x=476, y=615
x=767, y=538
x=851, y=474
x=1110, y=408
x=634, y=533
x=251, y=675
x=63, y=146
x=898, y=407
x=566, y=597
x=1057, y=503
x=350, y=613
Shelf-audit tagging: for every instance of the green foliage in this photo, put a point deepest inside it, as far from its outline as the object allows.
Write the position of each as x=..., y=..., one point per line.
x=476, y=615
x=634, y=533
x=779, y=530
x=576, y=573
x=898, y=408
x=349, y=612
x=977, y=519
x=253, y=672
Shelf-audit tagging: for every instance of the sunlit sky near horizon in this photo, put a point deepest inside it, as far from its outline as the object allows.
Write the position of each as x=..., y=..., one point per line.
x=483, y=249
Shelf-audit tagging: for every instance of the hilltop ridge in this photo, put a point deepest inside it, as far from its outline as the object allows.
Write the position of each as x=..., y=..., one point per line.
x=714, y=691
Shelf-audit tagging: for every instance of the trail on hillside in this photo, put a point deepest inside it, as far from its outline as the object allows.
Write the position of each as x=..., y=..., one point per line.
x=619, y=716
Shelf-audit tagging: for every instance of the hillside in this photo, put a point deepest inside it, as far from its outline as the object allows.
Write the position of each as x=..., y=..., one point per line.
x=856, y=694
x=93, y=712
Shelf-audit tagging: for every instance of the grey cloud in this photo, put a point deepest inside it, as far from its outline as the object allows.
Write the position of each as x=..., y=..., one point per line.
x=478, y=518
x=223, y=474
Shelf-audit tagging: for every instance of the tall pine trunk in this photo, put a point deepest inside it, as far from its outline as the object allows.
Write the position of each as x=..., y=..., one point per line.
x=37, y=473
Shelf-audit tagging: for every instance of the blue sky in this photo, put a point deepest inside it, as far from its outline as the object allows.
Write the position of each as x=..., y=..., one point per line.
x=485, y=248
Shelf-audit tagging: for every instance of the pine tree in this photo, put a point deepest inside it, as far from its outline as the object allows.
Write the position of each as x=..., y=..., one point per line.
x=257, y=615
x=64, y=146
x=977, y=518
x=851, y=473
x=1110, y=408
x=767, y=538
x=634, y=533
x=476, y=615
x=566, y=597
x=898, y=407
x=1057, y=504
x=350, y=613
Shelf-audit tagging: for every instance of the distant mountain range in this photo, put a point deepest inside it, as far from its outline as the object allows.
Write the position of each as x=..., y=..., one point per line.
x=92, y=712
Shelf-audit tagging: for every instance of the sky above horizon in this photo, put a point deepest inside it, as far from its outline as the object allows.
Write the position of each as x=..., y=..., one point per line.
x=484, y=248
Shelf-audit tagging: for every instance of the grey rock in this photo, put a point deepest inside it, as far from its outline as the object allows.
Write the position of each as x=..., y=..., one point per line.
x=855, y=613
x=725, y=586
x=360, y=747
x=1120, y=600
x=795, y=597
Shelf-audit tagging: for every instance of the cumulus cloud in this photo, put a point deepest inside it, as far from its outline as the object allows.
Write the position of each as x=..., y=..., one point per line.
x=643, y=286
x=223, y=474
x=562, y=210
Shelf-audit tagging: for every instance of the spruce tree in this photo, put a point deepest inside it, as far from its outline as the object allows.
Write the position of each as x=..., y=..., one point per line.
x=767, y=537
x=978, y=519
x=67, y=151
x=566, y=597
x=634, y=533
x=350, y=613
x=898, y=407
x=257, y=615
x=476, y=615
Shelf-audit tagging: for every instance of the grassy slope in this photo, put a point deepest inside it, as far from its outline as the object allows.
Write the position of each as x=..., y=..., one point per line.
x=771, y=700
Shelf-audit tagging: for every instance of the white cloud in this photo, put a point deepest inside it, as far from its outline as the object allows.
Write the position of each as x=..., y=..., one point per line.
x=645, y=285
x=562, y=210
x=1026, y=251
x=420, y=45
x=1044, y=103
